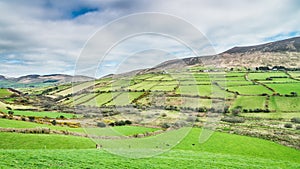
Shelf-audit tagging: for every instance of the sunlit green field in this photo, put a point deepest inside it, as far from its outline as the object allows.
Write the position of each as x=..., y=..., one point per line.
x=222, y=150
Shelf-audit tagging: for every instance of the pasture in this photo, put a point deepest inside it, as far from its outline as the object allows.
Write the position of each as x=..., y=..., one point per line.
x=222, y=150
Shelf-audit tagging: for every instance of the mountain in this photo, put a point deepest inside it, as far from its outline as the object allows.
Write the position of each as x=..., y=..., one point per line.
x=52, y=78
x=279, y=53
x=287, y=45
x=40, y=80
x=2, y=78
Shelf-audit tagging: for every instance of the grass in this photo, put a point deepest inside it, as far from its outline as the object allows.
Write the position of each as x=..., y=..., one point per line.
x=100, y=99
x=76, y=88
x=250, y=102
x=250, y=89
x=119, y=130
x=285, y=88
x=182, y=102
x=285, y=104
x=5, y=123
x=264, y=75
x=163, y=88
x=125, y=98
x=220, y=151
x=276, y=115
x=43, y=114
x=43, y=141
x=145, y=85
x=4, y=93
x=295, y=74
x=109, y=131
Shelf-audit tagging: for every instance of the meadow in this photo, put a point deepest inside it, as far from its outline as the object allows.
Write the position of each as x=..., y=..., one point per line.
x=221, y=151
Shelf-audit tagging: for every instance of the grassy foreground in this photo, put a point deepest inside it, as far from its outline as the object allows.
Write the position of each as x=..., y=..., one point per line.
x=221, y=151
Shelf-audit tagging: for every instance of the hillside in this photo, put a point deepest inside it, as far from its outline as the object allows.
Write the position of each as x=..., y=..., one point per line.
x=40, y=80
x=279, y=53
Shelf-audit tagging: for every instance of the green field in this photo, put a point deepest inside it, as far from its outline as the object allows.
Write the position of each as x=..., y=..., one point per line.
x=221, y=151
x=286, y=104
x=250, y=90
x=76, y=88
x=4, y=93
x=119, y=130
x=100, y=99
x=5, y=123
x=44, y=114
x=264, y=75
x=285, y=88
x=250, y=102
x=125, y=98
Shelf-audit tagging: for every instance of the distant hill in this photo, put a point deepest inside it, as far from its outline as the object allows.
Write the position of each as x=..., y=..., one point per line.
x=287, y=45
x=40, y=80
x=2, y=78
x=279, y=53
x=52, y=78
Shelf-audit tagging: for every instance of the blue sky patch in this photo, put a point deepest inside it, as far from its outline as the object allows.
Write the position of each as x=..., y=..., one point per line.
x=82, y=11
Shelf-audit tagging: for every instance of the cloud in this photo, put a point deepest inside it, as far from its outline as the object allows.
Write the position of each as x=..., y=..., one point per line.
x=47, y=36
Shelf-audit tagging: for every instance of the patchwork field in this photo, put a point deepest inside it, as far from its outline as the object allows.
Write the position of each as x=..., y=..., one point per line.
x=251, y=103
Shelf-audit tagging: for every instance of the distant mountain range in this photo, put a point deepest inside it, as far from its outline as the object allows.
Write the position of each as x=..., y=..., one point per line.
x=40, y=80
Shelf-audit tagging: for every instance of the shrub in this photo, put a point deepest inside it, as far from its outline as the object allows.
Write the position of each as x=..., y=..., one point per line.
x=31, y=118
x=191, y=119
x=288, y=125
x=165, y=125
x=53, y=122
x=295, y=120
x=231, y=119
x=10, y=112
x=101, y=124
x=128, y=122
x=237, y=110
x=297, y=127
x=180, y=124
x=120, y=123
x=163, y=115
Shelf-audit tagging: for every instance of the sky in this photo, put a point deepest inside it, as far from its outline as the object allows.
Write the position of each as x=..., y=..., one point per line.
x=63, y=36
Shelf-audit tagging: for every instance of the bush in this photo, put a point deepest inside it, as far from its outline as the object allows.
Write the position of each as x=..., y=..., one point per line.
x=163, y=115
x=237, y=110
x=53, y=122
x=165, y=125
x=101, y=124
x=295, y=120
x=233, y=119
x=128, y=122
x=297, y=127
x=10, y=112
x=120, y=123
x=191, y=119
x=180, y=124
x=288, y=125
x=31, y=118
